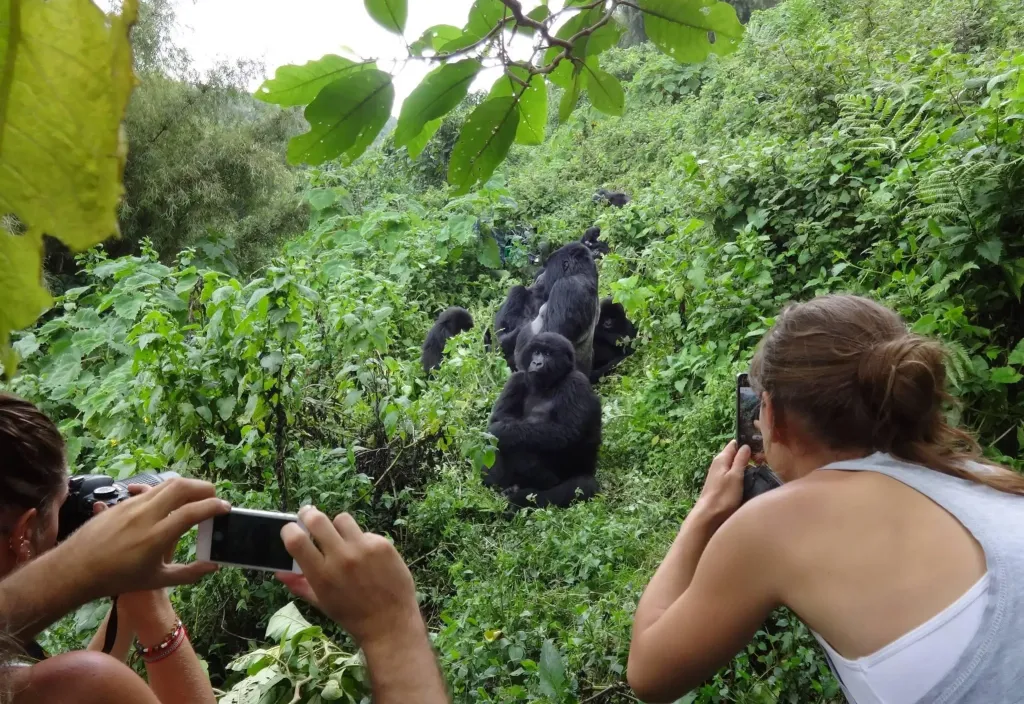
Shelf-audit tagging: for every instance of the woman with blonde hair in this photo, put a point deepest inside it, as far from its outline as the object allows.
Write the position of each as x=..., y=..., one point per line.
x=892, y=538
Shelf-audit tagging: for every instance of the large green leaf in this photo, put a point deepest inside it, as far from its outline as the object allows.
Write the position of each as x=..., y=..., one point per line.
x=285, y=623
x=299, y=85
x=443, y=89
x=65, y=79
x=489, y=254
x=588, y=45
x=434, y=38
x=681, y=28
x=604, y=89
x=570, y=98
x=345, y=118
x=389, y=14
x=483, y=143
x=417, y=144
x=533, y=103
x=551, y=671
x=484, y=16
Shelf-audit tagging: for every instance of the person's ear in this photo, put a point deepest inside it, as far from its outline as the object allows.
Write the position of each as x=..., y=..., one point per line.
x=23, y=536
x=771, y=420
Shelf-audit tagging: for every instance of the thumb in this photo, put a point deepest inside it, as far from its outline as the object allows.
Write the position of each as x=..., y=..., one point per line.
x=297, y=585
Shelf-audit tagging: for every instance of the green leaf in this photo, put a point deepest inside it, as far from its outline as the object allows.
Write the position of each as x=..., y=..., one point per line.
x=1016, y=357
x=205, y=413
x=1005, y=375
x=484, y=16
x=285, y=623
x=434, y=38
x=489, y=255
x=225, y=407
x=418, y=143
x=437, y=95
x=570, y=98
x=389, y=14
x=345, y=118
x=552, y=671
x=299, y=85
x=681, y=28
x=991, y=250
x=604, y=89
x=533, y=103
x=934, y=228
x=65, y=80
x=483, y=143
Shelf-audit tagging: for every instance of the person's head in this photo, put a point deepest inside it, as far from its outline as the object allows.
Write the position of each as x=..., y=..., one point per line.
x=33, y=482
x=843, y=375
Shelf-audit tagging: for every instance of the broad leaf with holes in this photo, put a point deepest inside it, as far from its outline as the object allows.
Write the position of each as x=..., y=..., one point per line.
x=604, y=89
x=483, y=143
x=532, y=94
x=345, y=118
x=299, y=85
x=62, y=151
x=443, y=89
x=689, y=30
x=389, y=14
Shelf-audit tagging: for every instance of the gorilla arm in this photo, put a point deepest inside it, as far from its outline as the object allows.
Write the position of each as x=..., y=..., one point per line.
x=556, y=423
x=510, y=404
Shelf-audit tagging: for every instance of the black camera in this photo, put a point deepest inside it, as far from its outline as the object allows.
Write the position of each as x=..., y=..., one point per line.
x=85, y=490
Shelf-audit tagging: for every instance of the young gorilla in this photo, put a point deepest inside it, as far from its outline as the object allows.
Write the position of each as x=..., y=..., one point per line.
x=571, y=307
x=616, y=198
x=590, y=240
x=613, y=330
x=450, y=323
x=548, y=424
x=520, y=307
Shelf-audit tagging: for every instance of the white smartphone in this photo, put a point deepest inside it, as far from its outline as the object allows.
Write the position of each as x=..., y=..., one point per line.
x=247, y=538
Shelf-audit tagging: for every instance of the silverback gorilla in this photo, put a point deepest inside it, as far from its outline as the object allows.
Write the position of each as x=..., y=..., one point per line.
x=613, y=330
x=449, y=324
x=548, y=425
x=571, y=306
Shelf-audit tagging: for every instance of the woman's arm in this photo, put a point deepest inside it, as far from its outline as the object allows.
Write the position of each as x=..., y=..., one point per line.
x=122, y=642
x=710, y=594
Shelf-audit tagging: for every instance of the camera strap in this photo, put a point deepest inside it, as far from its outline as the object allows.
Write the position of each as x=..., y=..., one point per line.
x=111, y=634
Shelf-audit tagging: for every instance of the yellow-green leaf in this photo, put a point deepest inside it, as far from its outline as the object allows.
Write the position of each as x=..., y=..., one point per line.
x=483, y=143
x=689, y=30
x=65, y=79
x=418, y=143
x=299, y=85
x=533, y=102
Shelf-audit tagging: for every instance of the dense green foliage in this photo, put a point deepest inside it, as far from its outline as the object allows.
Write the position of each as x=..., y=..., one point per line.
x=872, y=146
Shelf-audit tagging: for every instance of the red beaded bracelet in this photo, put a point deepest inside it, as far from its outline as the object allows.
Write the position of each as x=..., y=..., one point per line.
x=166, y=647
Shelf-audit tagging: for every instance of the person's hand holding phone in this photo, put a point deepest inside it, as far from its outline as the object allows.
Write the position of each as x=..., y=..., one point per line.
x=723, y=489
x=358, y=579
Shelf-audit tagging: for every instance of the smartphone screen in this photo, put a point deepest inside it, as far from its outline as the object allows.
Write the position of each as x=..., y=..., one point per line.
x=748, y=409
x=251, y=539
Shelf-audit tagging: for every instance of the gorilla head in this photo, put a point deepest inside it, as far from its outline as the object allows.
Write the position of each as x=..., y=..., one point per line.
x=592, y=242
x=573, y=259
x=613, y=320
x=547, y=360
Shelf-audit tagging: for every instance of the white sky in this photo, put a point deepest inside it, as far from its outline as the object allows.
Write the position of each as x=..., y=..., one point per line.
x=282, y=32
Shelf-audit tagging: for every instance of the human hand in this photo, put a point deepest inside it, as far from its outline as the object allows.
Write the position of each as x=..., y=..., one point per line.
x=123, y=548
x=723, y=489
x=358, y=579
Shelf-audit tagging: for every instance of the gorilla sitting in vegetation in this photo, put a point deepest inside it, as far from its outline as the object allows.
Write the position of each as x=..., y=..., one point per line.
x=520, y=307
x=449, y=324
x=613, y=331
x=590, y=240
x=571, y=307
x=548, y=425
x=616, y=198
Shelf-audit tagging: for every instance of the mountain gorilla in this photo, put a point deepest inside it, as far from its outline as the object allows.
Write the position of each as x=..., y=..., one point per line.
x=520, y=307
x=616, y=198
x=548, y=425
x=450, y=323
x=613, y=330
x=590, y=240
x=571, y=308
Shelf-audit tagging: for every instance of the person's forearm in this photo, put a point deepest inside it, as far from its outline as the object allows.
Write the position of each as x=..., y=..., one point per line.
x=122, y=642
x=179, y=678
x=40, y=593
x=403, y=668
x=675, y=572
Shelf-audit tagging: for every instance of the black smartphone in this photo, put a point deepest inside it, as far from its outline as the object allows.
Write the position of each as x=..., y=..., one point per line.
x=748, y=409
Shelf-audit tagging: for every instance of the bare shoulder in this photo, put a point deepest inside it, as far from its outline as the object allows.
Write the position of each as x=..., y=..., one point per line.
x=82, y=677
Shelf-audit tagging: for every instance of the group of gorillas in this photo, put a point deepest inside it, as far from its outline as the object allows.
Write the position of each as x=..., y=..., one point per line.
x=557, y=339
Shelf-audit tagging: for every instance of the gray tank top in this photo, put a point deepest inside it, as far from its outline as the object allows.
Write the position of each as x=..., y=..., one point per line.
x=991, y=670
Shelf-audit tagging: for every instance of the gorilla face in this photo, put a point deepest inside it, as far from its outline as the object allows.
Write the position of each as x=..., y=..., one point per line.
x=548, y=358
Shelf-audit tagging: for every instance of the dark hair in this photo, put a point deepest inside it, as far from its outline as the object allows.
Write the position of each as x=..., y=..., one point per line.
x=858, y=379
x=32, y=461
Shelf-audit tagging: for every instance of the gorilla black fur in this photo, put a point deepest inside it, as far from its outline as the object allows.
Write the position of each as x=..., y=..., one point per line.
x=616, y=198
x=613, y=330
x=450, y=323
x=571, y=307
x=548, y=425
x=520, y=307
x=590, y=240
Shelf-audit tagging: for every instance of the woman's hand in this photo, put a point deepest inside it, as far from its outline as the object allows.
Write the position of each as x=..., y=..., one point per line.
x=723, y=489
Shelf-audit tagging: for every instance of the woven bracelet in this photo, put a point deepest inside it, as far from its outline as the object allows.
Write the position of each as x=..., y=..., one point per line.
x=166, y=647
